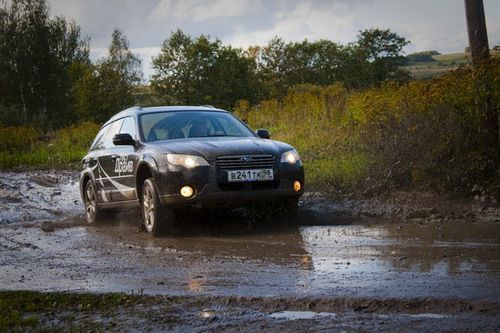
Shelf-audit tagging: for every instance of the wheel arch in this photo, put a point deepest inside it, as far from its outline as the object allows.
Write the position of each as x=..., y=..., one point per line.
x=85, y=178
x=144, y=171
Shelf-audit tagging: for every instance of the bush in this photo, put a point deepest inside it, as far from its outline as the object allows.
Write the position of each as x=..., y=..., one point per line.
x=310, y=118
x=22, y=147
x=428, y=134
x=20, y=138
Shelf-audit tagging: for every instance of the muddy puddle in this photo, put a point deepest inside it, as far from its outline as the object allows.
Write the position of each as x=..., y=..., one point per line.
x=45, y=245
x=38, y=196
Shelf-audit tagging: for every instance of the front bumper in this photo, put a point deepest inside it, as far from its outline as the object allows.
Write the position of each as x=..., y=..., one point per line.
x=213, y=190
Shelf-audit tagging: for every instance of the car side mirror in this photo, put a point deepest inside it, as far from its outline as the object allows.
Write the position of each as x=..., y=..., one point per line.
x=263, y=133
x=123, y=139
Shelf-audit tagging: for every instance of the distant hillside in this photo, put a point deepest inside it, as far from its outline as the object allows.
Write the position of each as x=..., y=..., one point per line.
x=439, y=65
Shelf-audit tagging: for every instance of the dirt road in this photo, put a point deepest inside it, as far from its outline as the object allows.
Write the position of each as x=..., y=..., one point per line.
x=340, y=271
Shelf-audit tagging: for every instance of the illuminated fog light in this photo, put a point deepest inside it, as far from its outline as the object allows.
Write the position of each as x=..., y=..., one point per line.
x=187, y=191
x=297, y=186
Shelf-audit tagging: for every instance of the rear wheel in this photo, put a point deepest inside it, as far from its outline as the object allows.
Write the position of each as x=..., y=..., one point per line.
x=157, y=218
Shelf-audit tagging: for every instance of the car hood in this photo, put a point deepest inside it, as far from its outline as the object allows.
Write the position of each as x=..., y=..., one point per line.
x=210, y=148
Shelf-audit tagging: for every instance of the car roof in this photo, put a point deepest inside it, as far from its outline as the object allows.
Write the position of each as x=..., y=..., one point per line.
x=137, y=110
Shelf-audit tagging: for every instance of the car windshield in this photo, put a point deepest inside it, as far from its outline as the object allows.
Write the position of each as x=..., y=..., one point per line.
x=190, y=124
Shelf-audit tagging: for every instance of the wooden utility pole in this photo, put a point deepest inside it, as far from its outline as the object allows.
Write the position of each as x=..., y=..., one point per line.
x=480, y=53
x=476, y=27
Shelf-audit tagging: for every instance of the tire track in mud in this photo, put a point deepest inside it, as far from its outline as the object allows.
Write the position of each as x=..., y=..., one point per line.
x=5, y=241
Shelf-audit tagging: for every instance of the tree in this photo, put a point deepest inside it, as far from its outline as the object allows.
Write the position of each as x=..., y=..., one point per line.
x=176, y=71
x=232, y=77
x=36, y=54
x=271, y=66
x=108, y=86
x=283, y=65
x=383, y=52
x=202, y=71
x=375, y=57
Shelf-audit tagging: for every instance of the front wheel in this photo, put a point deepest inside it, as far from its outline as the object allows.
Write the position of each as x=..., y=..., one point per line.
x=157, y=218
x=92, y=211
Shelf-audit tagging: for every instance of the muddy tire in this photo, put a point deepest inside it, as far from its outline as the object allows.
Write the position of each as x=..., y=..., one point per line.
x=158, y=219
x=92, y=212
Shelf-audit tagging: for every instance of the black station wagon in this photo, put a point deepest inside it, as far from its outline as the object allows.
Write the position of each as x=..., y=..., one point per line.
x=165, y=158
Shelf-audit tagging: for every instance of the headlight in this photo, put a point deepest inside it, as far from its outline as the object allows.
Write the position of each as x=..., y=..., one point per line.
x=290, y=156
x=187, y=161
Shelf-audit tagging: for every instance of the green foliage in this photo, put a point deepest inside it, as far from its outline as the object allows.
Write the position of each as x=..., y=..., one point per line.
x=383, y=51
x=425, y=56
x=349, y=109
x=284, y=65
x=310, y=118
x=376, y=57
x=48, y=81
x=36, y=52
x=428, y=133
x=46, y=78
x=424, y=133
x=108, y=86
x=25, y=146
x=20, y=138
x=20, y=310
x=202, y=71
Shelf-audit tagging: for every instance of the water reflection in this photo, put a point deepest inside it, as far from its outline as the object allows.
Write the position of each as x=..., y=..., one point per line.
x=445, y=249
x=449, y=249
x=394, y=260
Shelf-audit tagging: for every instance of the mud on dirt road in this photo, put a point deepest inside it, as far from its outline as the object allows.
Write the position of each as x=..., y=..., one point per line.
x=342, y=265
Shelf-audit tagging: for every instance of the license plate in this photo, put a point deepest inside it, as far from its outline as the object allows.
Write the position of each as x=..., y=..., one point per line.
x=254, y=175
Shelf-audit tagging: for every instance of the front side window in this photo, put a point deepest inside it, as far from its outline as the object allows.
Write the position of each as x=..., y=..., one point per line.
x=114, y=128
x=190, y=124
x=128, y=126
x=99, y=139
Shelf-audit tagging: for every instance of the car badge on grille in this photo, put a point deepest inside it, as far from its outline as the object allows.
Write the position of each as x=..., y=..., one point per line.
x=246, y=159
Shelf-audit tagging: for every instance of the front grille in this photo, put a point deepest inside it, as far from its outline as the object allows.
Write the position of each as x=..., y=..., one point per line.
x=239, y=162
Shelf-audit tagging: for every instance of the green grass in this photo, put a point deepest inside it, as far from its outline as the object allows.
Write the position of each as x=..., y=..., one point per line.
x=427, y=70
x=20, y=310
x=26, y=147
x=40, y=159
x=339, y=171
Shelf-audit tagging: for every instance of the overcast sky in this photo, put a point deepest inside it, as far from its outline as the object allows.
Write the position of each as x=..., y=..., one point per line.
x=428, y=24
